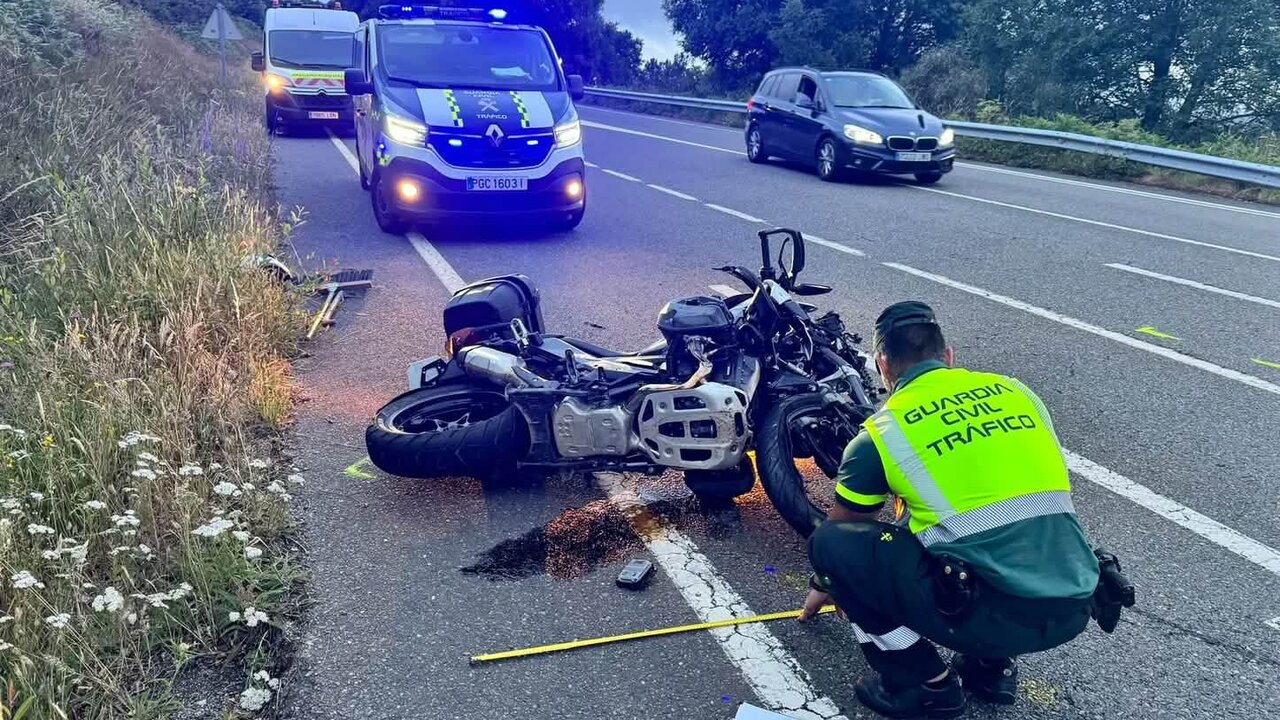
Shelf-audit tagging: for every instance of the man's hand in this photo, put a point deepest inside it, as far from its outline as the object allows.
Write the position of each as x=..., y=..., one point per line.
x=812, y=604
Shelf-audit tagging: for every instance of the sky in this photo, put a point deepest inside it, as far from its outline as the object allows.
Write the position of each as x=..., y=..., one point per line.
x=645, y=19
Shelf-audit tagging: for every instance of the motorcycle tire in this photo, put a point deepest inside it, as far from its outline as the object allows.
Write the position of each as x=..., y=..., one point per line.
x=775, y=463
x=457, y=429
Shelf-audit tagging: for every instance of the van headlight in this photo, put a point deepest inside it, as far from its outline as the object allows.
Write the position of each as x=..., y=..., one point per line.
x=404, y=130
x=947, y=138
x=862, y=136
x=568, y=134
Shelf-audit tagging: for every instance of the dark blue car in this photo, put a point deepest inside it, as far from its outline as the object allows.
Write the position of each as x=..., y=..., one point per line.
x=838, y=121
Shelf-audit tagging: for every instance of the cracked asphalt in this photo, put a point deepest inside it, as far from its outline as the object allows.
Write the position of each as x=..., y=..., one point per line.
x=394, y=618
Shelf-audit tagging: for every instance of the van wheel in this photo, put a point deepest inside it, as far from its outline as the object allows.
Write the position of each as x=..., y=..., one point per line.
x=828, y=162
x=384, y=212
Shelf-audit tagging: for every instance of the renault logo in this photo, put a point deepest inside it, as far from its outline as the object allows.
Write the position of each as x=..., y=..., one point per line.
x=495, y=134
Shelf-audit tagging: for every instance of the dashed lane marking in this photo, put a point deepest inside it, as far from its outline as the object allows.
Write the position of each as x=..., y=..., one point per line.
x=672, y=193
x=724, y=290
x=620, y=176
x=1121, y=338
x=1197, y=285
x=834, y=245
x=1096, y=223
x=655, y=136
x=1242, y=209
x=734, y=213
x=771, y=671
x=434, y=260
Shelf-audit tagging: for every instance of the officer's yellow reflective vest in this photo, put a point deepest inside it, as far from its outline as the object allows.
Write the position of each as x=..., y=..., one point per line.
x=969, y=452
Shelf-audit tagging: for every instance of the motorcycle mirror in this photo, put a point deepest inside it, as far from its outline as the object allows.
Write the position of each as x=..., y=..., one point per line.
x=810, y=289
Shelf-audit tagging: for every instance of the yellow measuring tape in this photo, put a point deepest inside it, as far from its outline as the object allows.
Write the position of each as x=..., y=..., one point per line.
x=575, y=644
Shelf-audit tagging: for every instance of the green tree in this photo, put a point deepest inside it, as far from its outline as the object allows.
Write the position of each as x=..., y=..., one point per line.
x=731, y=36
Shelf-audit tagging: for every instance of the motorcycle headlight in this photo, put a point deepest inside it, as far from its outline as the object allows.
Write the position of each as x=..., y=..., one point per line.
x=568, y=134
x=947, y=138
x=862, y=136
x=404, y=130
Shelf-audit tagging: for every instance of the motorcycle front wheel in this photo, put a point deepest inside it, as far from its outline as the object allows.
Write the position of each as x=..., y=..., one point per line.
x=458, y=429
x=798, y=451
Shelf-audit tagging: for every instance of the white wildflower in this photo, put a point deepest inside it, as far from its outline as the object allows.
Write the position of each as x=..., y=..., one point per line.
x=59, y=621
x=262, y=676
x=135, y=437
x=6, y=619
x=248, y=486
x=95, y=505
x=160, y=600
x=189, y=470
x=254, y=699
x=296, y=479
x=88, y=586
x=37, y=496
x=19, y=454
x=226, y=489
x=252, y=553
x=253, y=616
x=145, y=551
x=215, y=466
x=214, y=527
x=109, y=601
x=128, y=518
x=144, y=473
x=24, y=580
x=147, y=457
x=5, y=646
x=121, y=549
x=233, y=616
x=38, y=529
x=50, y=554
x=241, y=535
x=274, y=683
x=131, y=617
x=275, y=487
x=10, y=503
x=259, y=463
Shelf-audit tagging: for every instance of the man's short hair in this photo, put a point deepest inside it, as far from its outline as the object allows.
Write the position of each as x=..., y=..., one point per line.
x=908, y=333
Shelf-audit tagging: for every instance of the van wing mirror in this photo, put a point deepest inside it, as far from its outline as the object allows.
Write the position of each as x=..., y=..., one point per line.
x=577, y=88
x=354, y=81
x=257, y=62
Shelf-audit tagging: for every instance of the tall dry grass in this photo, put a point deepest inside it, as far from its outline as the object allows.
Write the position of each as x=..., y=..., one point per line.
x=143, y=371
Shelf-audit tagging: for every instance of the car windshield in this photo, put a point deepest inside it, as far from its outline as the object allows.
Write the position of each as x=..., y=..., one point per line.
x=311, y=48
x=866, y=91
x=483, y=58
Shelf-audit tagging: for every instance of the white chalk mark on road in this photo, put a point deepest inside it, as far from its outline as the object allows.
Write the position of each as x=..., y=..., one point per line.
x=1196, y=285
x=771, y=671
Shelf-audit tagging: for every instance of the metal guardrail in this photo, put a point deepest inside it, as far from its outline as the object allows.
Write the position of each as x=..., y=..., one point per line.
x=1238, y=170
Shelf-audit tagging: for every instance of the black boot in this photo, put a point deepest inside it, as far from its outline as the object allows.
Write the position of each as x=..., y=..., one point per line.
x=941, y=700
x=995, y=681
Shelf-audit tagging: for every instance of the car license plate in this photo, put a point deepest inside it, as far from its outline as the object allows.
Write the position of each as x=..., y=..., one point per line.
x=497, y=182
x=914, y=157
x=319, y=115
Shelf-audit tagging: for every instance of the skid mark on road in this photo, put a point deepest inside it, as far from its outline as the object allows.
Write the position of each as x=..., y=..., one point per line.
x=774, y=675
x=1174, y=355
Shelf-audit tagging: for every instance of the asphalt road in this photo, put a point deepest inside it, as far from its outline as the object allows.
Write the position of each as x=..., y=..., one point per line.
x=1045, y=278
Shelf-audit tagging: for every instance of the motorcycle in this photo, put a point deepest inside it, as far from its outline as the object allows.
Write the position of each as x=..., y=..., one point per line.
x=755, y=374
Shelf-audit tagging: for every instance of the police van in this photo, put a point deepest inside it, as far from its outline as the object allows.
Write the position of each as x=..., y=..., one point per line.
x=460, y=113
x=306, y=48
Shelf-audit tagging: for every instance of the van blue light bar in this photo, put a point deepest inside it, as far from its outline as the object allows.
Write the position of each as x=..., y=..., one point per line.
x=410, y=11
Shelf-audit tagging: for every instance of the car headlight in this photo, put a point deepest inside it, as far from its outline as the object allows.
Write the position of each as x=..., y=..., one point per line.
x=275, y=82
x=569, y=134
x=862, y=136
x=403, y=130
x=947, y=138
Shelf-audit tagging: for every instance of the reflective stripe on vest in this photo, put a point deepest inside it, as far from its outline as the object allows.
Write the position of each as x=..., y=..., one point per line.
x=969, y=452
x=899, y=638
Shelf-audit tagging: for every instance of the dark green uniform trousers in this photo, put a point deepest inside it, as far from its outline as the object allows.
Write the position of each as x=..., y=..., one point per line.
x=882, y=578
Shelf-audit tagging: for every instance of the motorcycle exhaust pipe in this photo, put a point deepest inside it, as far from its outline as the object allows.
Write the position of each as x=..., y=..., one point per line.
x=498, y=367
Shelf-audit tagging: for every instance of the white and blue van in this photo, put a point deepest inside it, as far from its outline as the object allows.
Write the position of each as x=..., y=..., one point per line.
x=306, y=47
x=462, y=114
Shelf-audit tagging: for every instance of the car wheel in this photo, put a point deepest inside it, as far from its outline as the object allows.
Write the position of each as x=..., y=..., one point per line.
x=928, y=178
x=384, y=211
x=828, y=165
x=755, y=146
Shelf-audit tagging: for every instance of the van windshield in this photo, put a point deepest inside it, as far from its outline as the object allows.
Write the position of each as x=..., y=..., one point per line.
x=476, y=57
x=865, y=91
x=311, y=48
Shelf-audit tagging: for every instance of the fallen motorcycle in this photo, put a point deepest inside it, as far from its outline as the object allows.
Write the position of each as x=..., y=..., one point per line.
x=759, y=371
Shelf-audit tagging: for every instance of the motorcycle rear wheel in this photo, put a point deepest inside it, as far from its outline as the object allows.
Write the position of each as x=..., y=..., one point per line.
x=797, y=460
x=458, y=429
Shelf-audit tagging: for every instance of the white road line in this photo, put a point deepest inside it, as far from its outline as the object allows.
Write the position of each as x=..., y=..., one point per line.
x=1097, y=223
x=724, y=290
x=701, y=126
x=1246, y=547
x=1125, y=191
x=1164, y=352
x=1196, y=285
x=735, y=213
x=620, y=176
x=771, y=671
x=833, y=245
x=590, y=164
x=344, y=151
x=640, y=133
x=448, y=277
x=673, y=193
